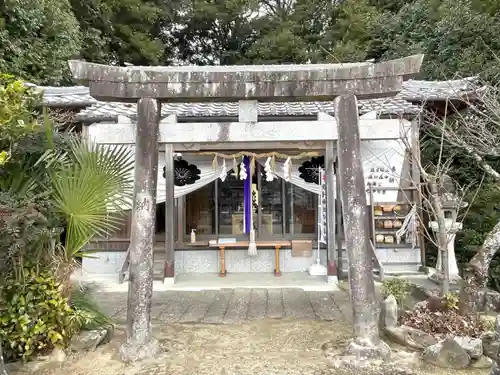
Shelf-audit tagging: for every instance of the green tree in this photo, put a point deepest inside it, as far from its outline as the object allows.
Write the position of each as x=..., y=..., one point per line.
x=352, y=30
x=459, y=38
x=292, y=32
x=122, y=31
x=207, y=32
x=36, y=39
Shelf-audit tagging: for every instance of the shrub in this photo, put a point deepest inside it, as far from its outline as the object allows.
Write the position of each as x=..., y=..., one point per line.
x=450, y=301
x=88, y=314
x=440, y=317
x=35, y=317
x=398, y=287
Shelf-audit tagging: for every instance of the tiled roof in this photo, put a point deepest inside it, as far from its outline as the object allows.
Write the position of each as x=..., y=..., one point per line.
x=109, y=111
x=74, y=96
x=404, y=103
x=420, y=91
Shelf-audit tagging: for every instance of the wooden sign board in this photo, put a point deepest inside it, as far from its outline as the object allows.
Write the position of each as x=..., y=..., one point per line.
x=302, y=249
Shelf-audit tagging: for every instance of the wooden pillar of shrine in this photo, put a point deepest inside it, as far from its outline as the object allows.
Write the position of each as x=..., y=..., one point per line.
x=169, y=271
x=330, y=210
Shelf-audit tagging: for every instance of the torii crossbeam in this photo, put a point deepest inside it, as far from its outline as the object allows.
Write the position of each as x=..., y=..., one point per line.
x=254, y=82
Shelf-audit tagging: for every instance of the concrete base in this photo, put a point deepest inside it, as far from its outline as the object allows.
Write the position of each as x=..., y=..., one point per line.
x=438, y=278
x=332, y=280
x=169, y=281
x=362, y=353
x=132, y=351
x=196, y=282
x=317, y=269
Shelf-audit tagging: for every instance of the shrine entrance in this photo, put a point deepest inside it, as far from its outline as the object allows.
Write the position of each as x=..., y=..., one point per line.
x=247, y=85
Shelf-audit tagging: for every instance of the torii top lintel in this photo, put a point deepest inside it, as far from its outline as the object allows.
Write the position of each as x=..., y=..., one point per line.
x=305, y=82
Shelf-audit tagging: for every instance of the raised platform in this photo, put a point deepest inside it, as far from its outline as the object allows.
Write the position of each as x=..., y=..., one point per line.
x=212, y=281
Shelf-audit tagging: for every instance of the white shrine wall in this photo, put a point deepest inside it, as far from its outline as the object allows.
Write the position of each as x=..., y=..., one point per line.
x=383, y=158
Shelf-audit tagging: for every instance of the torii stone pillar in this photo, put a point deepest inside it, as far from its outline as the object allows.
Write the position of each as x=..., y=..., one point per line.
x=151, y=85
x=366, y=343
x=140, y=343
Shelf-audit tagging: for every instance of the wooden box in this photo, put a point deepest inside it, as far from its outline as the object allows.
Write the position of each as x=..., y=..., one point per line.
x=302, y=248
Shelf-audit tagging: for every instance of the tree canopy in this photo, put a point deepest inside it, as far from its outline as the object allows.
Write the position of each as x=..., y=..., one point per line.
x=36, y=39
x=459, y=38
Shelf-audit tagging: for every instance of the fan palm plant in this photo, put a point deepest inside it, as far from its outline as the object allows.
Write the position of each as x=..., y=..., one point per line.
x=91, y=185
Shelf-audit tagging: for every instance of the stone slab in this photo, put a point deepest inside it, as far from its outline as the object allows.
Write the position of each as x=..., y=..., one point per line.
x=218, y=308
x=238, y=306
x=323, y=306
x=274, y=304
x=233, y=306
x=258, y=304
x=160, y=300
x=199, y=307
x=296, y=304
x=343, y=303
x=176, y=307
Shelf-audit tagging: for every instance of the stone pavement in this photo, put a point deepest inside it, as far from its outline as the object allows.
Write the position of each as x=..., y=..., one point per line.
x=233, y=306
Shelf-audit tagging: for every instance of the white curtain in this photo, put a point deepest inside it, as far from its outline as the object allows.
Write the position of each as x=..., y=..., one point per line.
x=203, y=163
x=382, y=166
x=294, y=174
x=208, y=174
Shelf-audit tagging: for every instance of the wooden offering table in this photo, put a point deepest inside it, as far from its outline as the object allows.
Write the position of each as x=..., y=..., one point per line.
x=244, y=244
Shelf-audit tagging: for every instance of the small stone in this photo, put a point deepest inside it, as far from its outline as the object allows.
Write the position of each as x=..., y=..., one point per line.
x=490, y=344
x=88, y=340
x=420, y=305
x=410, y=337
x=110, y=331
x=364, y=349
x=482, y=362
x=389, y=312
x=491, y=301
x=405, y=359
x=473, y=347
x=495, y=370
x=349, y=366
x=58, y=355
x=447, y=353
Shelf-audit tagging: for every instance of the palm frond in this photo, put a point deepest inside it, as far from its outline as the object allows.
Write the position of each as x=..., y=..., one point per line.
x=98, y=180
x=82, y=301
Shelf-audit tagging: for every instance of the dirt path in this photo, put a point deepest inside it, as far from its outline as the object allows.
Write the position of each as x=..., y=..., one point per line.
x=264, y=347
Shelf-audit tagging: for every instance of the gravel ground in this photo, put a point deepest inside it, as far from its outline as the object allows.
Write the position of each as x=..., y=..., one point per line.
x=263, y=347
x=234, y=332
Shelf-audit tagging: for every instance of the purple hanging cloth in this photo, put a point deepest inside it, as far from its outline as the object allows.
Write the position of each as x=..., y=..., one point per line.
x=247, y=195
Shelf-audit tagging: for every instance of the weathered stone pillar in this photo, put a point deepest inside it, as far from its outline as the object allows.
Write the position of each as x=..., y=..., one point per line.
x=367, y=343
x=140, y=343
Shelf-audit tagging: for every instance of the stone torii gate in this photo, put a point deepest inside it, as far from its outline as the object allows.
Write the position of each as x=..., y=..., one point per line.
x=149, y=86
